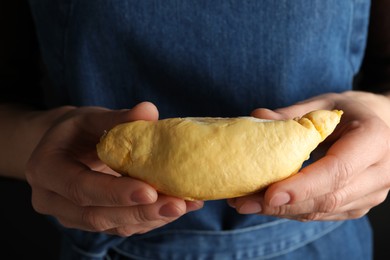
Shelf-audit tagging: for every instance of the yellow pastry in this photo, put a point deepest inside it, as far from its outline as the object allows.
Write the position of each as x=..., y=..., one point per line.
x=214, y=158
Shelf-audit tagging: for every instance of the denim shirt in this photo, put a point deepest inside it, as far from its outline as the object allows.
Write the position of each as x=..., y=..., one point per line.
x=206, y=58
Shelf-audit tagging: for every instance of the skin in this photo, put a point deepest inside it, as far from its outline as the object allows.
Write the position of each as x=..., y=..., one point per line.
x=351, y=173
x=56, y=154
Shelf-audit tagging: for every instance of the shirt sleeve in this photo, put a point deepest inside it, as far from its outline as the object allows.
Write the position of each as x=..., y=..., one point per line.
x=374, y=74
x=20, y=65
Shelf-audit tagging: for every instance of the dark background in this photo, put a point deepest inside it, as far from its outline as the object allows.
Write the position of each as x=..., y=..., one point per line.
x=24, y=234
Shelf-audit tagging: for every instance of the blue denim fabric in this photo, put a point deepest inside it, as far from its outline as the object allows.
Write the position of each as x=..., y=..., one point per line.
x=206, y=58
x=278, y=240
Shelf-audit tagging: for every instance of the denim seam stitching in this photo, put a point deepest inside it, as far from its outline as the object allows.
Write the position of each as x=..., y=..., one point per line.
x=283, y=252
x=214, y=233
x=303, y=243
x=89, y=254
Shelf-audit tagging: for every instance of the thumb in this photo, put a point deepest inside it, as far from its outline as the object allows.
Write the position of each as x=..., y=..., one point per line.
x=143, y=111
x=105, y=119
x=265, y=113
x=296, y=110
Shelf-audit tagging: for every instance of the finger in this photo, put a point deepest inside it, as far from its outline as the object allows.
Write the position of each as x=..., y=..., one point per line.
x=265, y=113
x=364, y=191
x=131, y=220
x=354, y=214
x=356, y=209
x=84, y=187
x=250, y=204
x=98, y=120
x=327, y=102
x=349, y=155
x=82, y=128
x=101, y=219
x=348, y=198
x=298, y=109
x=140, y=228
x=145, y=111
x=363, y=204
x=74, y=180
x=194, y=205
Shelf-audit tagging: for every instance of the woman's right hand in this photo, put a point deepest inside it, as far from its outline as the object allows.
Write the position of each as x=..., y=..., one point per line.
x=69, y=181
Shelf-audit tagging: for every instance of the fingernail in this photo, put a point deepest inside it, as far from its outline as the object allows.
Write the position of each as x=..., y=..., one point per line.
x=170, y=210
x=231, y=203
x=249, y=207
x=194, y=205
x=142, y=197
x=280, y=199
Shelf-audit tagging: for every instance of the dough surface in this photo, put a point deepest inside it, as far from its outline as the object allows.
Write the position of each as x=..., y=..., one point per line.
x=214, y=158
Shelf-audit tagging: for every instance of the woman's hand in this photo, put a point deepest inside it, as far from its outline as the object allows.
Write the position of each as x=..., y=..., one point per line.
x=351, y=172
x=69, y=182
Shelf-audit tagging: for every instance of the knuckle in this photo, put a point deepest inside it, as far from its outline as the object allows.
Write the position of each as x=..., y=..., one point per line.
x=125, y=231
x=30, y=174
x=113, y=198
x=386, y=175
x=331, y=202
x=279, y=211
x=39, y=207
x=93, y=220
x=32, y=171
x=67, y=223
x=40, y=201
x=308, y=192
x=342, y=173
x=311, y=217
x=144, y=230
x=355, y=214
x=75, y=194
x=378, y=199
x=142, y=215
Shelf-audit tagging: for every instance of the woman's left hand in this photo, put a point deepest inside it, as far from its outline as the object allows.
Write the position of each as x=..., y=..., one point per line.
x=351, y=172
